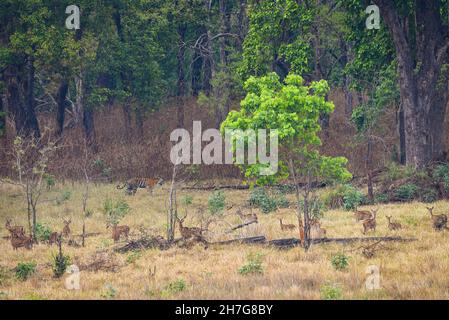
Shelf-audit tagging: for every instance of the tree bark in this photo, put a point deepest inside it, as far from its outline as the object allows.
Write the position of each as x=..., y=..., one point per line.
x=182, y=29
x=423, y=97
x=401, y=131
x=61, y=100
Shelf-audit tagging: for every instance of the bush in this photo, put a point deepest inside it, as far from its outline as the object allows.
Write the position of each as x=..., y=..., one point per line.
x=63, y=197
x=441, y=175
x=216, y=202
x=110, y=292
x=261, y=199
x=177, y=286
x=406, y=192
x=50, y=181
x=345, y=196
x=396, y=172
x=352, y=198
x=253, y=265
x=187, y=200
x=43, y=232
x=381, y=198
x=115, y=211
x=24, y=270
x=331, y=292
x=340, y=261
x=429, y=196
x=60, y=264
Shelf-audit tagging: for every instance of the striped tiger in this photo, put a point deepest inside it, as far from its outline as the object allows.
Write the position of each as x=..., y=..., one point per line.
x=133, y=184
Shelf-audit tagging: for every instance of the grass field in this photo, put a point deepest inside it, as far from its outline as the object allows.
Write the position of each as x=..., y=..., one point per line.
x=412, y=270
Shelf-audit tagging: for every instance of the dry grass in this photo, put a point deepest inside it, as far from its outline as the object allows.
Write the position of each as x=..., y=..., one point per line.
x=415, y=270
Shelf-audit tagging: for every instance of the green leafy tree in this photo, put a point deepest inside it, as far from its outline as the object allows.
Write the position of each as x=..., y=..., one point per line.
x=293, y=109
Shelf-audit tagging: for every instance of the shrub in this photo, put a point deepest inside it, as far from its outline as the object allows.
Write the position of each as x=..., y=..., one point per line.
x=340, y=261
x=43, y=232
x=406, y=192
x=316, y=208
x=441, y=175
x=331, y=292
x=352, y=198
x=285, y=188
x=60, y=264
x=216, y=202
x=395, y=172
x=115, y=211
x=253, y=265
x=110, y=292
x=429, y=196
x=412, y=221
x=381, y=198
x=261, y=199
x=63, y=197
x=187, y=200
x=24, y=270
x=177, y=286
x=50, y=181
x=133, y=257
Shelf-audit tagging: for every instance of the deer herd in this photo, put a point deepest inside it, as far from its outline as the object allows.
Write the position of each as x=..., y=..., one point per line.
x=19, y=239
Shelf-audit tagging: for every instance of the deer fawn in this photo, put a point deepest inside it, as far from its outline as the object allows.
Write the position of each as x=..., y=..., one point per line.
x=393, y=225
x=286, y=227
x=439, y=220
x=246, y=217
x=18, y=241
x=117, y=231
x=194, y=233
x=14, y=230
x=370, y=224
x=53, y=237
x=66, y=230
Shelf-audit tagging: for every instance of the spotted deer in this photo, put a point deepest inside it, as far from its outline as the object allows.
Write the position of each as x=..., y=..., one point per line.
x=439, y=220
x=370, y=224
x=362, y=215
x=194, y=233
x=286, y=227
x=393, y=225
x=14, y=230
x=66, y=230
x=19, y=241
x=118, y=231
x=53, y=238
x=246, y=217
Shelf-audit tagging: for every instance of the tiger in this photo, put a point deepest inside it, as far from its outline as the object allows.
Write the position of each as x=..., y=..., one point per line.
x=133, y=184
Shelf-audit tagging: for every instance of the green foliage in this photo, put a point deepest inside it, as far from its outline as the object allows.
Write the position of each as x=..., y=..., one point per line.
x=396, y=172
x=381, y=198
x=340, y=261
x=187, y=200
x=50, y=180
x=441, y=175
x=110, y=292
x=253, y=265
x=216, y=202
x=177, y=286
x=115, y=211
x=43, y=232
x=352, y=198
x=63, y=197
x=293, y=109
x=411, y=221
x=60, y=264
x=24, y=270
x=428, y=195
x=406, y=192
x=133, y=257
x=331, y=292
x=267, y=203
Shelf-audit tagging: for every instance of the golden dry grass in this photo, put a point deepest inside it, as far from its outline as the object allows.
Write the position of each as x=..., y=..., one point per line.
x=415, y=270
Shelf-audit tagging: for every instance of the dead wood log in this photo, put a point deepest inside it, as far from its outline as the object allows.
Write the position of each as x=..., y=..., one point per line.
x=249, y=240
x=286, y=243
x=143, y=243
x=246, y=187
x=241, y=226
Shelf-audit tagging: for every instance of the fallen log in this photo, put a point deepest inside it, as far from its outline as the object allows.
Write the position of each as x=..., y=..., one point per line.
x=249, y=240
x=241, y=226
x=246, y=187
x=287, y=243
x=143, y=243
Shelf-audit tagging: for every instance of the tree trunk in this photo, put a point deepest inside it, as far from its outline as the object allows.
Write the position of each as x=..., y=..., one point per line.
x=127, y=119
x=401, y=129
x=89, y=128
x=182, y=29
x=61, y=100
x=197, y=65
x=2, y=117
x=369, y=169
x=424, y=100
x=19, y=80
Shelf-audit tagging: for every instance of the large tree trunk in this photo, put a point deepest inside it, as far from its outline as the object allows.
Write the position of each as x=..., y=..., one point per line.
x=61, y=100
x=401, y=131
x=2, y=117
x=182, y=29
x=20, y=97
x=423, y=97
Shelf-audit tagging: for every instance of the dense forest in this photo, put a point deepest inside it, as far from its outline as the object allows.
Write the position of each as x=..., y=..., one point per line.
x=134, y=70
